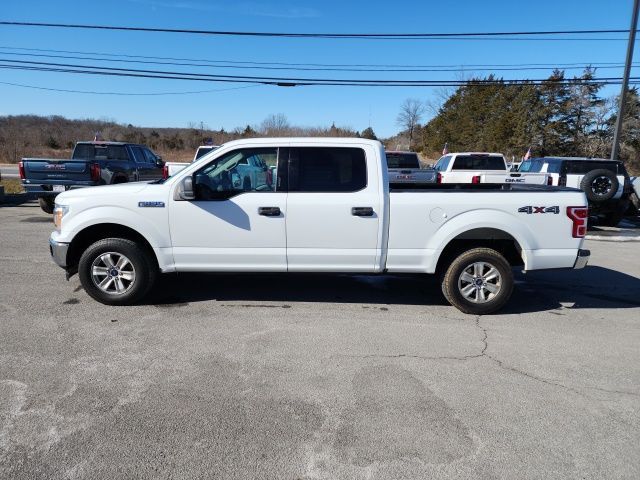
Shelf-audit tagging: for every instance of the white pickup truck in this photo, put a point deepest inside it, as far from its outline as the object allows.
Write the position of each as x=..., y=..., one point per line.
x=330, y=209
x=171, y=168
x=481, y=167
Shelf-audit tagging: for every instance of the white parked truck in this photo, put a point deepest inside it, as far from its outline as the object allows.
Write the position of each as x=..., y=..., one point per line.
x=171, y=168
x=481, y=167
x=329, y=209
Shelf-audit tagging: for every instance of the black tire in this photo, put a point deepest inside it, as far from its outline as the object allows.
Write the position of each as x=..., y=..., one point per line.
x=46, y=204
x=612, y=219
x=453, y=285
x=143, y=266
x=599, y=185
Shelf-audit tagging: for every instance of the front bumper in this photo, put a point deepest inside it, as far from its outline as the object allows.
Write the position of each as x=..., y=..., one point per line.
x=59, y=252
x=582, y=259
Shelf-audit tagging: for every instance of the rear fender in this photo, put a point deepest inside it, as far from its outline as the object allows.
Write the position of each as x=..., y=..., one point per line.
x=481, y=219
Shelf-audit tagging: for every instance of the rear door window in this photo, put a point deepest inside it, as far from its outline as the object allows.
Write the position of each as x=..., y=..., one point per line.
x=583, y=167
x=138, y=155
x=478, y=162
x=327, y=169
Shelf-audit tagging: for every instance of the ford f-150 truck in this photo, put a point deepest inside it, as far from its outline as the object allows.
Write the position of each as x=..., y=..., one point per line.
x=330, y=209
x=92, y=163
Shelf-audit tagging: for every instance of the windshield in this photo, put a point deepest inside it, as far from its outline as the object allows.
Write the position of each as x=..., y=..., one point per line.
x=402, y=160
x=534, y=165
x=442, y=164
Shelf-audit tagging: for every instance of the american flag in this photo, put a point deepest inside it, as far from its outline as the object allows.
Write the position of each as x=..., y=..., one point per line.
x=445, y=150
x=527, y=155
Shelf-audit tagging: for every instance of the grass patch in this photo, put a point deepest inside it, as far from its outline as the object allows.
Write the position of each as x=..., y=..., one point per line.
x=12, y=186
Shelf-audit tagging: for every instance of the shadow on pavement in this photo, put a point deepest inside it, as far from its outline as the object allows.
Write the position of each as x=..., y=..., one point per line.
x=592, y=287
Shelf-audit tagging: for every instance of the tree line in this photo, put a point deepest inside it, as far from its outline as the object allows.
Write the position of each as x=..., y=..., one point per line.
x=557, y=117
x=54, y=136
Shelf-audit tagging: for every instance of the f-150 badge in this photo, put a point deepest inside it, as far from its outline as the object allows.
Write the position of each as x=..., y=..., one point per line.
x=529, y=210
x=151, y=204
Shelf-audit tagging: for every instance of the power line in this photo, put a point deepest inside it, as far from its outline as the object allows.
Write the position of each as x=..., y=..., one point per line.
x=373, y=65
x=91, y=92
x=321, y=69
x=254, y=79
x=288, y=82
x=361, y=36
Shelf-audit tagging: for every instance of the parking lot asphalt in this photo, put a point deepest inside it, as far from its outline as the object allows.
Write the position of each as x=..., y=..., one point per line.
x=317, y=377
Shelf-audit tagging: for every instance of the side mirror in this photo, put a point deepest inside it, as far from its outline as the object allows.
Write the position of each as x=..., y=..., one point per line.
x=159, y=161
x=185, y=190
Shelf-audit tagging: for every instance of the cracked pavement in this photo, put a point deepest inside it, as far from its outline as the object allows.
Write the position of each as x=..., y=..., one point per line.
x=316, y=377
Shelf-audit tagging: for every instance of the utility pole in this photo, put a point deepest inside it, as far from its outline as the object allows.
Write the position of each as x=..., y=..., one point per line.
x=615, y=149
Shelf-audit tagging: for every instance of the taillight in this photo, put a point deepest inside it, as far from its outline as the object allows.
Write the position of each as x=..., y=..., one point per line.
x=165, y=171
x=95, y=172
x=579, y=216
x=21, y=170
x=475, y=179
x=549, y=180
x=439, y=178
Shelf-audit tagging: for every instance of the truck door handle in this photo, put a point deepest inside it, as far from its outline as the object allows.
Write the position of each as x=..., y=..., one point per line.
x=362, y=211
x=269, y=211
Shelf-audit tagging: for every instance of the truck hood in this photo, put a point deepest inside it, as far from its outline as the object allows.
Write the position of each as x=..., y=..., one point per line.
x=120, y=189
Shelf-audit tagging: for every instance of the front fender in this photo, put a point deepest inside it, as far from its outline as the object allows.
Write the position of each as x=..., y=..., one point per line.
x=153, y=226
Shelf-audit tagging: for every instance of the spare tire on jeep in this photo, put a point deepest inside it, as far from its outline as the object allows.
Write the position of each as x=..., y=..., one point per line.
x=599, y=185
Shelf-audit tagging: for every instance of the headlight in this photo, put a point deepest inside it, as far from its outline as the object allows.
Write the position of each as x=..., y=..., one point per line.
x=58, y=212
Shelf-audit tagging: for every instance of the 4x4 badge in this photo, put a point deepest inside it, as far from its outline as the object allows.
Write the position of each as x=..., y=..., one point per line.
x=530, y=210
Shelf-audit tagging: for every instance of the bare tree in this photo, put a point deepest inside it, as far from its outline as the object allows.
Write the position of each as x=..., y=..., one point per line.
x=411, y=113
x=275, y=124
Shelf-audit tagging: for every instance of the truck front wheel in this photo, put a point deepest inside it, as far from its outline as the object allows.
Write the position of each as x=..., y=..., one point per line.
x=46, y=204
x=478, y=281
x=117, y=271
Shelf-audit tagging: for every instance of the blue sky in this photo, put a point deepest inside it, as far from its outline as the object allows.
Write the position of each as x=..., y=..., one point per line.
x=355, y=107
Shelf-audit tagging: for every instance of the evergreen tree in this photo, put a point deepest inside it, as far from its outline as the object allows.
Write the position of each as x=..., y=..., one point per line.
x=368, y=133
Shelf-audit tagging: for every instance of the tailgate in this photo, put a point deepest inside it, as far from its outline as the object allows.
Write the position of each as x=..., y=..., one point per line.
x=516, y=178
x=411, y=175
x=53, y=171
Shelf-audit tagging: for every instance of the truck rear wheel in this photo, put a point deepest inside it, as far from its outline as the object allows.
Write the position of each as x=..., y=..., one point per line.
x=478, y=281
x=46, y=204
x=117, y=271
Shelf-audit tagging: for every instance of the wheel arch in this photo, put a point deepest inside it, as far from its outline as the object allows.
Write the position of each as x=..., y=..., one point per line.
x=96, y=232
x=488, y=237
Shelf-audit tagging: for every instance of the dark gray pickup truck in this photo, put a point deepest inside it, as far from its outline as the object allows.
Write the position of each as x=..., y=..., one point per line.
x=91, y=164
x=404, y=167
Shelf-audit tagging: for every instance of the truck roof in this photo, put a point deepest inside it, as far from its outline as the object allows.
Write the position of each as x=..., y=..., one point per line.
x=100, y=142
x=582, y=159
x=490, y=154
x=309, y=140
